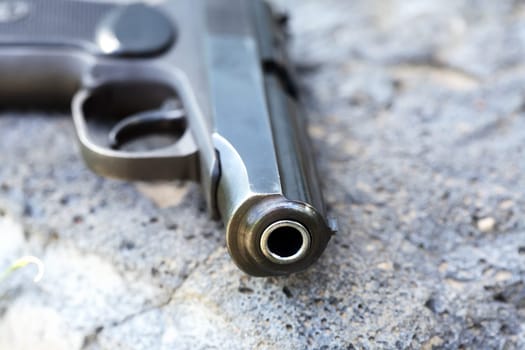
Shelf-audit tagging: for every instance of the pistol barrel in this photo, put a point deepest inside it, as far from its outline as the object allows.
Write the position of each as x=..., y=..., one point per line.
x=268, y=193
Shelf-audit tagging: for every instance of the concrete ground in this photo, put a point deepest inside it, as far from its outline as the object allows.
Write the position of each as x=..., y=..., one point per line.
x=417, y=113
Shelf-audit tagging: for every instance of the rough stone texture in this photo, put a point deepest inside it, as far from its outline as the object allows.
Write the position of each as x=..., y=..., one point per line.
x=417, y=113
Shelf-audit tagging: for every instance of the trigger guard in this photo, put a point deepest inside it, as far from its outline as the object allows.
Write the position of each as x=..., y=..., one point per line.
x=179, y=161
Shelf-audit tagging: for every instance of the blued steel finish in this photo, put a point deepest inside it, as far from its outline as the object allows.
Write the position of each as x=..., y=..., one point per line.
x=211, y=74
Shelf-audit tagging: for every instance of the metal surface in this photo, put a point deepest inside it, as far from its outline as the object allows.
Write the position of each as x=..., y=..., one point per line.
x=135, y=30
x=236, y=125
x=285, y=242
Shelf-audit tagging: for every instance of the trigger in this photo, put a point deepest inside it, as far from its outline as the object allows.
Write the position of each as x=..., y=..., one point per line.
x=162, y=121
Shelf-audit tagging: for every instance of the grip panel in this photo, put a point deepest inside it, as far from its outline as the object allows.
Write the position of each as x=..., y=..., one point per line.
x=52, y=22
x=98, y=28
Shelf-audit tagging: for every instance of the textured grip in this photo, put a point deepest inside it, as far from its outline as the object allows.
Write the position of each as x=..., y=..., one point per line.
x=52, y=22
x=99, y=28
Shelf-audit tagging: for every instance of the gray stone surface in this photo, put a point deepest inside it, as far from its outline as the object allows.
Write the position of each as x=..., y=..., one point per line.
x=417, y=113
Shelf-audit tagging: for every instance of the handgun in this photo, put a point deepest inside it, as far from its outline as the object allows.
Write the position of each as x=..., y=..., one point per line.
x=199, y=90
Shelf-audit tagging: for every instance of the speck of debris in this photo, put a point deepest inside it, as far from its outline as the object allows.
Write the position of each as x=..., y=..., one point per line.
x=486, y=224
x=127, y=245
x=172, y=227
x=287, y=292
x=77, y=219
x=431, y=305
x=245, y=290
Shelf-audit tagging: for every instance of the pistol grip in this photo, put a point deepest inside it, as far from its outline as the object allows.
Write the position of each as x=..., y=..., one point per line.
x=96, y=28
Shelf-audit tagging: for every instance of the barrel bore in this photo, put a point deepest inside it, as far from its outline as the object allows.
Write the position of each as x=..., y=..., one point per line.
x=285, y=242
